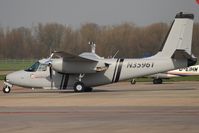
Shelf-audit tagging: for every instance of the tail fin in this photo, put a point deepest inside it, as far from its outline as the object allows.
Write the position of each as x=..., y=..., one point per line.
x=179, y=37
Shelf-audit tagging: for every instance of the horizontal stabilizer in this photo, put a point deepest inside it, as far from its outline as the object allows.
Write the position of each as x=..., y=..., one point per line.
x=182, y=54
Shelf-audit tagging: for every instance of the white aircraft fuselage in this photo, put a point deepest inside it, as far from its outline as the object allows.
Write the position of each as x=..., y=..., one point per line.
x=120, y=69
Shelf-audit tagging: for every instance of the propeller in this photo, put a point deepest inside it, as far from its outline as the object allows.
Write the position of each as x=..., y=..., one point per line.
x=49, y=63
x=50, y=66
x=51, y=75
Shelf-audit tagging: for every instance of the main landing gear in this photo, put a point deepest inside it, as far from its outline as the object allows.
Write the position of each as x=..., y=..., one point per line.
x=133, y=81
x=157, y=81
x=79, y=86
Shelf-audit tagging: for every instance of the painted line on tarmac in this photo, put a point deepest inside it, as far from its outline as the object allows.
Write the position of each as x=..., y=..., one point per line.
x=102, y=112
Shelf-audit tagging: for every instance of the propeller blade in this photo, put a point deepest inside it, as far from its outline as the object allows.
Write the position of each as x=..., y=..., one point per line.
x=51, y=75
x=50, y=72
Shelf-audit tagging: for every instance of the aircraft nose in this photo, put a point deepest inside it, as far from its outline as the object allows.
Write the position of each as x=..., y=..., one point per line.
x=14, y=77
x=9, y=78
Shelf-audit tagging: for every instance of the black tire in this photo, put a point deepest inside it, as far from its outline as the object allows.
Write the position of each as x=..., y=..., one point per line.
x=133, y=81
x=6, y=89
x=88, y=89
x=157, y=81
x=79, y=87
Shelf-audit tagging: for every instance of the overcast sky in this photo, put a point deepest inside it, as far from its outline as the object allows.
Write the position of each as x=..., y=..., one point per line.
x=16, y=13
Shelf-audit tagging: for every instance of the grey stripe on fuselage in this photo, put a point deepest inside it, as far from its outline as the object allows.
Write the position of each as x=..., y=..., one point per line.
x=61, y=81
x=64, y=81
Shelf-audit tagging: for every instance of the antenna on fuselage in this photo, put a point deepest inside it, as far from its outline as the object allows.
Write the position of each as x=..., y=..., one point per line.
x=93, y=47
x=115, y=53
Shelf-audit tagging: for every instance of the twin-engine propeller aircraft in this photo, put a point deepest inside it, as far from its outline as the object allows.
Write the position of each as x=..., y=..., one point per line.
x=63, y=70
x=182, y=72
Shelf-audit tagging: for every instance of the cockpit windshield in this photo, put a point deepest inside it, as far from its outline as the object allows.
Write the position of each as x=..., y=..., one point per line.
x=37, y=67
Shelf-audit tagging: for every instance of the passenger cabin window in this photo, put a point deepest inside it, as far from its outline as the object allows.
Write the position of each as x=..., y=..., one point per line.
x=37, y=67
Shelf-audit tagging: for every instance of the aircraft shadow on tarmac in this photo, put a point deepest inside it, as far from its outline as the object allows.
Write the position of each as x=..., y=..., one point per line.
x=103, y=90
x=142, y=90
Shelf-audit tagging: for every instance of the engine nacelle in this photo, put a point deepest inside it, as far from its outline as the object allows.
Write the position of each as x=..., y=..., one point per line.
x=76, y=67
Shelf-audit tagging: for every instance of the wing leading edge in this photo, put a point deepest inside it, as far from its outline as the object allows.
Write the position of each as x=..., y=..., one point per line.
x=72, y=58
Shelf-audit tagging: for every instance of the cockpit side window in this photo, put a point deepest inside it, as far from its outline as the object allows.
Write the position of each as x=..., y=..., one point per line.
x=42, y=67
x=37, y=67
x=33, y=68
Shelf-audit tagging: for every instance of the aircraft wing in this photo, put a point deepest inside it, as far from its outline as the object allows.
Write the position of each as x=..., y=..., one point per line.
x=71, y=58
x=84, y=63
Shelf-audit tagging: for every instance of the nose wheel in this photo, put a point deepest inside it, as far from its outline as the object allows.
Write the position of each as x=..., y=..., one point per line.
x=6, y=89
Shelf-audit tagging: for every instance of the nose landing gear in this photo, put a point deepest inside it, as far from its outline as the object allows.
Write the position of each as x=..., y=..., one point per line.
x=7, y=87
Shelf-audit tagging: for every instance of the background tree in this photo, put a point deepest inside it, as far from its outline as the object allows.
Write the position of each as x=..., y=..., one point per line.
x=131, y=40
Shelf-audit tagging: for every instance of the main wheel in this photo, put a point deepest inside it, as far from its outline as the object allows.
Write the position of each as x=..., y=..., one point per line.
x=157, y=81
x=6, y=89
x=79, y=87
x=133, y=81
